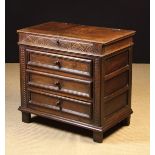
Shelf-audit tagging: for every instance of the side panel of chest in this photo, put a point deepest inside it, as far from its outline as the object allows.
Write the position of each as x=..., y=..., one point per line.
x=116, y=87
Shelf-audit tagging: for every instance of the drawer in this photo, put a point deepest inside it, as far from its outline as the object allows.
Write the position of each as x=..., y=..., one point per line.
x=58, y=43
x=61, y=84
x=57, y=105
x=58, y=62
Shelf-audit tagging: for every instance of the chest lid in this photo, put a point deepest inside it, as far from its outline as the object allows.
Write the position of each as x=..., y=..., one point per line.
x=76, y=38
x=88, y=33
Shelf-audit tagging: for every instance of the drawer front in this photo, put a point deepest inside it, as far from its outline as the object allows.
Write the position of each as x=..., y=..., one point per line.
x=59, y=43
x=57, y=105
x=61, y=84
x=58, y=62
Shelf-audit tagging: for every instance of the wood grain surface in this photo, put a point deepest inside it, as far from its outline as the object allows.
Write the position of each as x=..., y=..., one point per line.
x=91, y=33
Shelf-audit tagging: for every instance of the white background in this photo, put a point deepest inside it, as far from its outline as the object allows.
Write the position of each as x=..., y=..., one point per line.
x=2, y=77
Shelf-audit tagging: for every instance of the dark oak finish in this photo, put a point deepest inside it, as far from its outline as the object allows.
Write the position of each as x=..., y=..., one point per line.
x=76, y=74
x=61, y=104
x=26, y=117
x=98, y=136
x=126, y=122
x=60, y=84
x=59, y=62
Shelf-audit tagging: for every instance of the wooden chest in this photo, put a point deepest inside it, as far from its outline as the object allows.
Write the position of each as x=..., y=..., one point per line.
x=76, y=74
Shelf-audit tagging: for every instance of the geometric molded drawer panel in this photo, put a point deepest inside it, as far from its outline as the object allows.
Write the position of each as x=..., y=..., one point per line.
x=60, y=62
x=62, y=84
x=64, y=107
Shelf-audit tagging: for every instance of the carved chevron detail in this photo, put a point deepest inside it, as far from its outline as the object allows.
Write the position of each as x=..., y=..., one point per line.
x=59, y=44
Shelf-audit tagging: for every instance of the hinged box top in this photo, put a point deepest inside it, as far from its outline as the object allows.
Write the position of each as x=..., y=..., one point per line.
x=81, y=32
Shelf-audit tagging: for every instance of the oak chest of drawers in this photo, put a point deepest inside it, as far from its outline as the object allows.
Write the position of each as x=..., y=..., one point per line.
x=76, y=74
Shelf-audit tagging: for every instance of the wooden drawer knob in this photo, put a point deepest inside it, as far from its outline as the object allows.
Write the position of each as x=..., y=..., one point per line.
x=57, y=63
x=57, y=84
x=58, y=42
x=58, y=103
